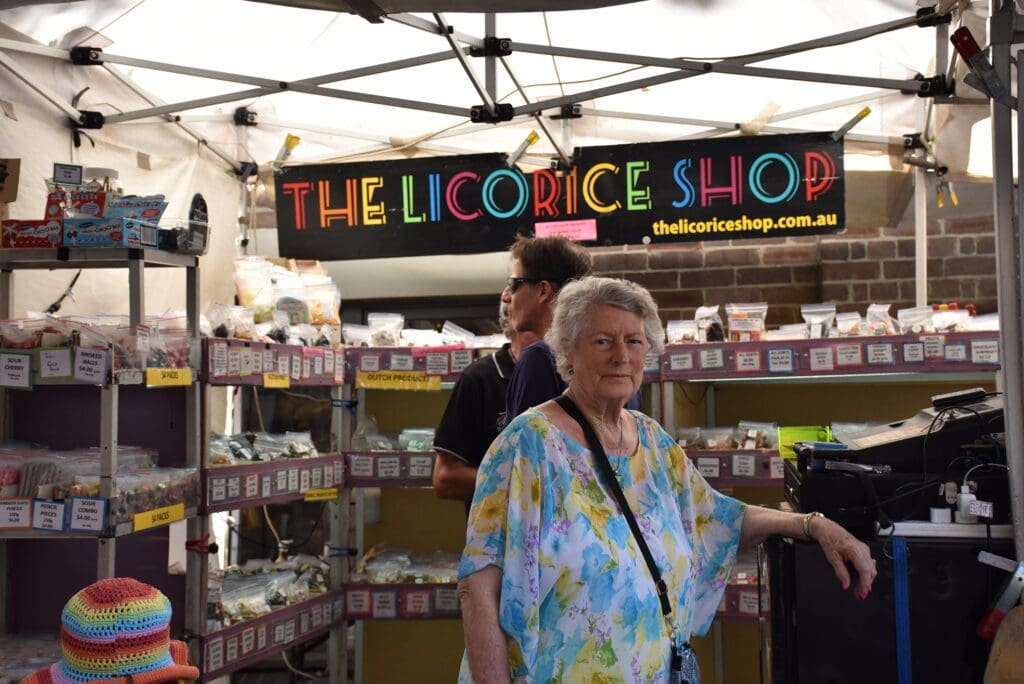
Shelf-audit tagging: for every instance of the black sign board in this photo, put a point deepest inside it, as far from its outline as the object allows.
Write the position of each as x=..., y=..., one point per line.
x=657, y=193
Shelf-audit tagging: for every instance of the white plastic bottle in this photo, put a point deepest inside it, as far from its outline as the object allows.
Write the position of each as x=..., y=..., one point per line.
x=963, y=502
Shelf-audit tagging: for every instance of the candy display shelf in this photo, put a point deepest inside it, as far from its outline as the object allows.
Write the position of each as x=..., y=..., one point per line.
x=738, y=467
x=231, y=648
x=389, y=468
x=240, y=362
x=232, y=487
x=405, y=601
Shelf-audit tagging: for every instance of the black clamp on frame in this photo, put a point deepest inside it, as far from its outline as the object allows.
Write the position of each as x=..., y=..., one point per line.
x=569, y=111
x=934, y=86
x=927, y=17
x=83, y=56
x=493, y=47
x=502, y=112
x=244, y=117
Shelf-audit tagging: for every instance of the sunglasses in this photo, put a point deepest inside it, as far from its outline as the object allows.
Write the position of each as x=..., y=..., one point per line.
x=514, y=282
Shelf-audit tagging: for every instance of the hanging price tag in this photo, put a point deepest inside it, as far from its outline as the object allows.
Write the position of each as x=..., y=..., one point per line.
x=748, y=361
x=401, y=362
x=318, y=365
x=252, y=486
x=218, y=490
x=218, y=359
x=822, y=359
x=284, y=364
x=780, y=360
x=234, y=362
x=421, y=466
x=985, y=352
x=849, y=355
x=234, y=487
x=88, y=515
x=680, y=362
x=744, y=465
x=370, y=363
x=296, y=372
x=913, y=352
x=388, y=467
x=261, y=637
x=956, y=353
x=214, y=655
x=709, y=466
x=385, y=604
x=247, y=365
x=268, y=360
x=880, y=354
x=361, y=466
x=231, y=650
x=15, y=514
x=303, y=480
x=461, y=359
x=416, y=602
x=329, y=362
x=293, y=479
x=55, y=363
x=712, y=359
x=777, y=468
x=446, y=600
x=316, y=478
x=48, y=515
x=357, y=602
x=91, y=365
x=933, y=346
x=748, y=603
x=248, y=640
x=437, y=363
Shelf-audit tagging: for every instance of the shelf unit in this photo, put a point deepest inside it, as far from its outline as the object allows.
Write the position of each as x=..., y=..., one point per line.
x=897, y=360
x=112, y=408
x=248, y=485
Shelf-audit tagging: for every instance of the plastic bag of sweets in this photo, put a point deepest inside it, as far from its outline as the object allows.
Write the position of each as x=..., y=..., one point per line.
x=221, y=323
x=688, y=437
x=385, y=329
x=879, y=322
x=717, y=438
x=849, y=324
x=916, y=320
x=681, y=332
x=709, y=324
x=746, y=321
x=756, y=435
x=818, y=318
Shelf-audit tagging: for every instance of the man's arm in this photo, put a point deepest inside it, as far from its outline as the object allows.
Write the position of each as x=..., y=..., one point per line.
x=453, y=477
x=534, y=381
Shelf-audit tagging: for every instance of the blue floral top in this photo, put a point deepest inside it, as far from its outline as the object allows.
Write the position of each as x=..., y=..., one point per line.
x=577, y=600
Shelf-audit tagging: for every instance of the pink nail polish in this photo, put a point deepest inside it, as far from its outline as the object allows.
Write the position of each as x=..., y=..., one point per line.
x=846, y=585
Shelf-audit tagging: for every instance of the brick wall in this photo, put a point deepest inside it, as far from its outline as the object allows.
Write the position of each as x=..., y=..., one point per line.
x=853, y=269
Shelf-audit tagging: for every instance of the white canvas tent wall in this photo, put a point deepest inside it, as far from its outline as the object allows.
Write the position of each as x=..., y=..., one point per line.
x=262, y=45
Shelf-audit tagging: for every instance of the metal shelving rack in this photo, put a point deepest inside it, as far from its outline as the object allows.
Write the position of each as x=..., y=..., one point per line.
x=136, y=261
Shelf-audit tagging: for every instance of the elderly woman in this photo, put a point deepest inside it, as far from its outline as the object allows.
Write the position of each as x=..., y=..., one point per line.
x=554, y=581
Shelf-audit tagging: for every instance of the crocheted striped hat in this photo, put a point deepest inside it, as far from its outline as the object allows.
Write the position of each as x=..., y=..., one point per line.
x=117, y=631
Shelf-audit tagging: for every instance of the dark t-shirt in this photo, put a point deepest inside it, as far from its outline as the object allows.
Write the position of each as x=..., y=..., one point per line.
x=476, y=410
x=536, y=380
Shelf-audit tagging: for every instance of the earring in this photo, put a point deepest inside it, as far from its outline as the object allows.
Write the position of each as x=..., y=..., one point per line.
x=570, y=370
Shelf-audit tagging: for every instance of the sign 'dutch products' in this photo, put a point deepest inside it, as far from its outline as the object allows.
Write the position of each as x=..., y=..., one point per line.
x=661, y=193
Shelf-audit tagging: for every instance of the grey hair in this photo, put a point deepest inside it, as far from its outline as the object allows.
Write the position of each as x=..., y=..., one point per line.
x=577, y=300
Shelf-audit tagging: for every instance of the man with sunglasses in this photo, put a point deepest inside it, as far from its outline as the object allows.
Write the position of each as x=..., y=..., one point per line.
x=540, y=267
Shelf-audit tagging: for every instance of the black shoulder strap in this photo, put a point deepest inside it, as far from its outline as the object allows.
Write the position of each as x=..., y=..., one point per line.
x=605, y=468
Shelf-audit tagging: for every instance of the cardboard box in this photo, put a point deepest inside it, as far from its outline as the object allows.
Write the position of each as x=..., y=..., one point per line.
x=55, y=206
x=88, y=203
x=101, y=232
x=31, y=234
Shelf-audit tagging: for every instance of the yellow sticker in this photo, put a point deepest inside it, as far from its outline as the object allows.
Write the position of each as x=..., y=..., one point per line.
x=322, y=494
x=276, y=381
x=404, y=380
x=159, y=516
x=168, y=376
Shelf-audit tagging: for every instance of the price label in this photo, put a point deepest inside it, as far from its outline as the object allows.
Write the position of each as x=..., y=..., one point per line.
x=261, y=637
x=329, y=362
x=822, y=359
x=296, y=373
x=389, y=467
x=218, y=359
x=282, y=481
x=956, y=352
x=328, y=494
x=421, y=466
x=328, y=476
x=385, y=604
x=276, y=381
x=15, y=514
x=55, y=363
x=982, y=509
x=293, y=479
x=780, y=360
x=744, y=465
x=303, y=623
x=316, y=477
x=307, y=366
x=279, y=633
x=776, y=466
x=234, y=487
x=985, y=351
x=318, y=364
x=160, y=516
x=652, y=363
x=933, y=346
x=849, y=355
x=91, y=365
x=461, y=360
x=328, y=613
x=168, y=377
x=712, y=359
x=246, y=364
x=417, y=603
x=48, y=515
x=267, y=485
x=680, y=362
x=446, y=599
x=218, y=489
x=437, y=363
x=88, y=515
x=357, y=602
x=709, y=467
x=748, y=361
x=304, y=480
x=370, y=363
x=289, y=631
x=913, y=352
x=361, y=466
x=231, y=650
x=252, y=486
x=248, y=640
x=880, y=354
x=284, y=364
x=339, y=369
x=401, y=362
x=214, y=655
x=748, y=603
x=317, y=616
x=15, y=371
x=268, y=360
x=339, y=473
x=234, y=362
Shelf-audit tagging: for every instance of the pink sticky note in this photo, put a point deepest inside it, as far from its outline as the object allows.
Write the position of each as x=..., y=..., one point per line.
x=579, y=229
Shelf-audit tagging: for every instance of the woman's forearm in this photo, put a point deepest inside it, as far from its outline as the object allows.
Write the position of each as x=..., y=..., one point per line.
x=486, y=648
x=759, y=523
